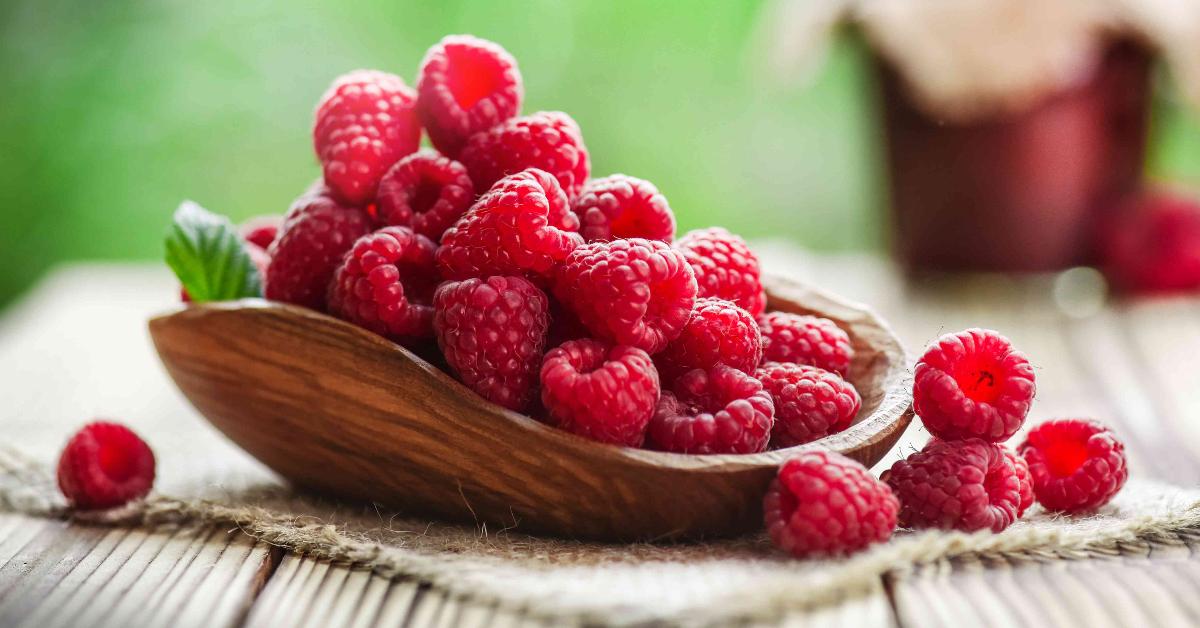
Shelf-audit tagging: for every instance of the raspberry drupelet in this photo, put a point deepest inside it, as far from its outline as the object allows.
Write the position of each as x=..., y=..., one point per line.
x=621, y=206
x=810, y=403
x=631, y=292
x=386, y=283
x=522, y=226
x=965, y=485
x=717, y=332
x=425, y=192
x=602, y=392
x=317, y=231
x=466, y=85
x=720, y=410
x=973, y=384
x=365, y=122
x=492, y=333
x=1075, y=465
x=822, y=503
x=725, y=267
x=805, y=339
x=261, y=230
x=105, y=465
x=549, y=141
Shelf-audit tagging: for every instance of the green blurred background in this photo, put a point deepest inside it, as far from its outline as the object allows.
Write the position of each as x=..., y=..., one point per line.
x=115, y=111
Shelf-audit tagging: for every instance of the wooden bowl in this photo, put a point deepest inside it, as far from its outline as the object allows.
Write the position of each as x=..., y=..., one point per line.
x=342, y=411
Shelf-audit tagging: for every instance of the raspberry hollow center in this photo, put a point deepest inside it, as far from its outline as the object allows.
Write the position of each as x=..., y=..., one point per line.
x=979, y=381
x=472, y=77
x=425, y=196
x=1065, y=456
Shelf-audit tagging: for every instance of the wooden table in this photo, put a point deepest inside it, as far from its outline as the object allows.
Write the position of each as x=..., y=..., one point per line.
x=1133, y=365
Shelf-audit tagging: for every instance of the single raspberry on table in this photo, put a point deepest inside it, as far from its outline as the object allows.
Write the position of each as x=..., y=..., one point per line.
x=1151, y=244
x=631, y=292
x=963, y=485
x=466, y=85
x=804, y=339
x=105, y=465
x=492, y=333
x=717, y=332
x=720, y=410
x=1076, y=465
x=598, y=391
x=824, y=504
x=523, y=225
x=725, y=267
x=973, y=384
x=549, y=141
x=366, y=121
x=426, y=192
x=620, y=206
x=261, y=230
x=810, y=403
x=386, y=283
x=317, y=231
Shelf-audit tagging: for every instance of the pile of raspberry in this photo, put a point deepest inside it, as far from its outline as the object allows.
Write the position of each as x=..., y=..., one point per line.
x=546, y=291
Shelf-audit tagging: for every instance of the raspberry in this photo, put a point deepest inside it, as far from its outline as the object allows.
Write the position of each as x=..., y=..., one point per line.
x=973, y=384
x=810, y=403
x=1076, y=465
x=604, y=393
x=621, y=206
x=964, y=485
x=630, y=292
x=426, y=192
x=720, y=410
x=466, y=85
x=803, y=339
x=316, y=232
x=725, y=267
x=365, y=122
x=1026, y=480
x=261, y=230
x=550, y=141
x=521, y=226
x=824, y=504
x=492, y=332
x=1152, y=244
x=105, y=465
x=386, y=283
x=718, y=331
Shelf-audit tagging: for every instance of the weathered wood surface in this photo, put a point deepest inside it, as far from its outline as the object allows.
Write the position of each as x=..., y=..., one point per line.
x=1134, y=366
x=339, y=409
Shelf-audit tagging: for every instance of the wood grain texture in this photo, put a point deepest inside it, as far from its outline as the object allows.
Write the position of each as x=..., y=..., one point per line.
x=340, y=410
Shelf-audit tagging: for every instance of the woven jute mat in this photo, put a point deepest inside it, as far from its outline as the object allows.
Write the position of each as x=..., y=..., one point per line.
x=629, y=583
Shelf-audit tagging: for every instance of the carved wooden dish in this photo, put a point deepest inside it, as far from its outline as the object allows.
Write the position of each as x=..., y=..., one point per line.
x=339, y=410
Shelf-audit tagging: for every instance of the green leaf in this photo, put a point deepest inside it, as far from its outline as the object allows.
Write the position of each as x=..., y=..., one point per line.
x=209, y=256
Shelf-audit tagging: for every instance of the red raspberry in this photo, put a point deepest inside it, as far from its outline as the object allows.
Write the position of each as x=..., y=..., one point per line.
x=386, y=283
x=466, y=85
x=824, y=504
x=521, y=226
x=261, y=230
x=725, y=267
x=604, y=393
x=964, y=485
x=1025, y=479
x=631, y=292
x=365, y=122
x=1152, y=244
x=315, y=234
x=973, y=384
x=105, y=465
x=549, y=141
x=810, y=403
x=718, y=331
x=1076, y=465
x=803, y=339
x=426, y=192
x=492, y=332
x=716, y=411
x=621, y=206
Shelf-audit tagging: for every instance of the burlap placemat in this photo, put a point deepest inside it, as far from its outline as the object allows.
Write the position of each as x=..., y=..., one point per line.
x=562, y=579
